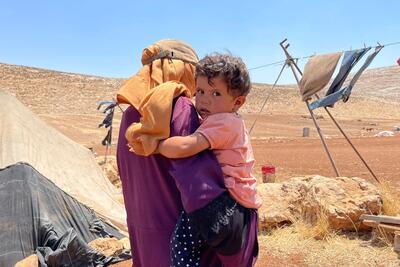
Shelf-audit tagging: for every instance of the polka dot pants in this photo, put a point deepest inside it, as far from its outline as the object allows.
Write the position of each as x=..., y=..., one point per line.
x=186, y=244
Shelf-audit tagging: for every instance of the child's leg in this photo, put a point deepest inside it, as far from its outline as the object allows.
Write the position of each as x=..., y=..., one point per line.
x=223, y=224
x=186, y=243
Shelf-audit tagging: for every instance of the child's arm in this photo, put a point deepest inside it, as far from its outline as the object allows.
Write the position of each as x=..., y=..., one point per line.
x=183, y=146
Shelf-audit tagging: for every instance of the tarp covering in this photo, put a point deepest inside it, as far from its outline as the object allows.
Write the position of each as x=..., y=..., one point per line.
x=317, y=73
x=36, y=216
x=70, y=166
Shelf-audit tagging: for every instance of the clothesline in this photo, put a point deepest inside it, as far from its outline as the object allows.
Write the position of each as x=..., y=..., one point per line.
x=347, y=89
x=282, y=62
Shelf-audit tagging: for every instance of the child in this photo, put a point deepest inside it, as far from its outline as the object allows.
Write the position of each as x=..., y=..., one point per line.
x=222, y=83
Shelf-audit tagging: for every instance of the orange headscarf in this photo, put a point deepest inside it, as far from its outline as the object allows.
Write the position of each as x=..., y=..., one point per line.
x=167, y=72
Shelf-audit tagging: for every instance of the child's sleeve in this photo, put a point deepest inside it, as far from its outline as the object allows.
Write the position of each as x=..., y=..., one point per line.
x=219, y=130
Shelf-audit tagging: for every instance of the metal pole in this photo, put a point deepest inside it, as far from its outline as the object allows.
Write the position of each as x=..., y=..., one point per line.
x=350, y=143
x=323, y=140
x=321, y=136
x=340, y=128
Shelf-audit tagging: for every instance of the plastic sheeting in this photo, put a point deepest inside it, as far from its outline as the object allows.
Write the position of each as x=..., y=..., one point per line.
x=71, y=166
x=36, y=216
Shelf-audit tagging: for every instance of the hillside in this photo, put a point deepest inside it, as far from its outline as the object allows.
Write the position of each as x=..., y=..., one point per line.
x=52, y=92
x=68, y=102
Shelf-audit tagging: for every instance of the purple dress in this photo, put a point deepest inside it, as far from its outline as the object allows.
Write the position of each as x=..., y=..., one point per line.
x=156, y=189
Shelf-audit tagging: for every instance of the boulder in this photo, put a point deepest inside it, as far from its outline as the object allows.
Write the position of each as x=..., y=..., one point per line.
x=342, y=199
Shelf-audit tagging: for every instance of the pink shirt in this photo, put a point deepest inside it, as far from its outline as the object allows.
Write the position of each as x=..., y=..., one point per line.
x=227, y=135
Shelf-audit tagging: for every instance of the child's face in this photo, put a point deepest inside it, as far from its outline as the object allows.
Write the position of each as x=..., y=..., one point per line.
x=211, y=99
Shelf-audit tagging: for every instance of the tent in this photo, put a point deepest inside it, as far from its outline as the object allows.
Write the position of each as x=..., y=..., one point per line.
x=70, y=166
x=54, y=195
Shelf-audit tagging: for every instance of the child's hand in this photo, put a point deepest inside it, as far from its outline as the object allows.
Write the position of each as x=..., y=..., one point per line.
x=134, y=143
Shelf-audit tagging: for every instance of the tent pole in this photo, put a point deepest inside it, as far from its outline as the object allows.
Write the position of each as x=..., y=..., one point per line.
x=321, y=136
x=105, y=155
x=350, y=143
x=323, y=139
x=108, y=144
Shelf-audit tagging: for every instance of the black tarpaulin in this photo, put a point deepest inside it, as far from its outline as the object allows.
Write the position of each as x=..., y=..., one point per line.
x=38, y=217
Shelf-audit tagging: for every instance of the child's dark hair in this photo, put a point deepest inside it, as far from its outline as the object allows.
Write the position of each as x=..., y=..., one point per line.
x=228, y=67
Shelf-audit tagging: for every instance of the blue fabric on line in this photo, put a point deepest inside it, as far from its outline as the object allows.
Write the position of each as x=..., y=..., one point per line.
x=344, y=93
x=350, y=59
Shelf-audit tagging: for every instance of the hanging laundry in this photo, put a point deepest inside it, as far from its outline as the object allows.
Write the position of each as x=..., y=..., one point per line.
x=350, y=59
x=344, y=93
x=317, y=73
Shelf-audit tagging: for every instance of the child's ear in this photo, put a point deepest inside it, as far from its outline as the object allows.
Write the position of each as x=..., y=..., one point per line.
x=238, y=102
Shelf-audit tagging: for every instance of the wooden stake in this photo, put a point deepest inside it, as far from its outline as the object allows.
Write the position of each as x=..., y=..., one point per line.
x=396, y=246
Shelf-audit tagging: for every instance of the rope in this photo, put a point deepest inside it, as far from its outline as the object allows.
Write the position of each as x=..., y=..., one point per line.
x=306, y=57
x=266, y=99
x=269, y=64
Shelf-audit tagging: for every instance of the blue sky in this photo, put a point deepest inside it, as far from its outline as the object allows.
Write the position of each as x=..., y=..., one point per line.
x=106, y=38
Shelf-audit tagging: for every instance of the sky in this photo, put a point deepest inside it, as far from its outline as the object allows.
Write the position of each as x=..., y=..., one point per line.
x=106, y=38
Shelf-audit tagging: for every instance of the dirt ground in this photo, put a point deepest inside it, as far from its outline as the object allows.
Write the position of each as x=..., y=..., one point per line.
x=277, y=140
x=304, y=157
x=294, y=155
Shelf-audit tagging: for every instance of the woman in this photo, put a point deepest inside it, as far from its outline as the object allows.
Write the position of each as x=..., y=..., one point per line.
x=156, y=189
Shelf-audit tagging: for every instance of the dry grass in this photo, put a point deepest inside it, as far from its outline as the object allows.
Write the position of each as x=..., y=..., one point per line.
x=333, y=250
x=318, y=230
x=318, y=245
x=391, y=207
x=390, y=198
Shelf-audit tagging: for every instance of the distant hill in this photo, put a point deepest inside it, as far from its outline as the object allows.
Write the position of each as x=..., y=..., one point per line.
x=46, y=91
x=376, y=94
x=52, y=92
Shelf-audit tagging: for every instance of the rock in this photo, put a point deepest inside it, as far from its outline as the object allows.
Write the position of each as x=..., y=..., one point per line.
x=31, y=261
x=385, y=133
x=110, y=169
x=343, y=200
x=126, y=243
x=107, y=246
x=278, y=204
